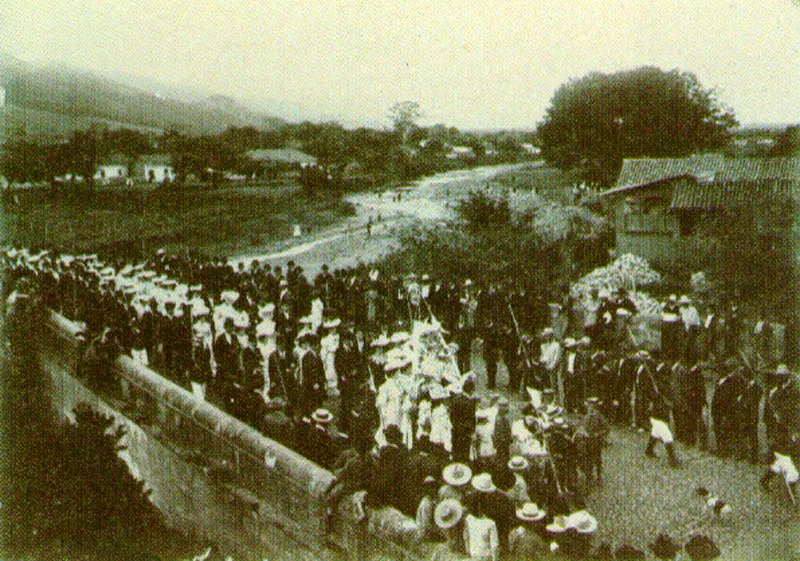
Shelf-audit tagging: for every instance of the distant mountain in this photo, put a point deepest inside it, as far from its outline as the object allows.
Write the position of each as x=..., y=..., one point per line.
x=51, y=100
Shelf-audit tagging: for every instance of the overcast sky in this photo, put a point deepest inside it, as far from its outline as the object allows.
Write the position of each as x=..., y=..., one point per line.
x=485, y=64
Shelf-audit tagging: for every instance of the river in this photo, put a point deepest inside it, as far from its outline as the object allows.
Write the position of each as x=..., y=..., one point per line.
x=428, y=200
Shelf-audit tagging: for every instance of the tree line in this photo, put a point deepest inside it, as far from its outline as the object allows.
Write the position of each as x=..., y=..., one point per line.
x=400, y=153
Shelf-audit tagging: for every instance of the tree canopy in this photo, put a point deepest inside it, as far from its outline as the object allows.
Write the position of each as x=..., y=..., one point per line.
x=596, y=121
x=404, y=116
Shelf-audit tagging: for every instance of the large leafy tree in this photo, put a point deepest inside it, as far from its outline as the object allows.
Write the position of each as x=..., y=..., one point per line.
x=20, y=158
x=404, y=116
x=596, y=121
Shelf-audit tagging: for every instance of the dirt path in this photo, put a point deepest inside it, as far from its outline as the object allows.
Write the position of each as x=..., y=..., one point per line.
x=430, y=199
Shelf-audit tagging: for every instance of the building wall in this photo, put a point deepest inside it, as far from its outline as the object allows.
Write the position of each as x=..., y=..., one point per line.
x=111, y=172
x=157, y=173
x=645, y=227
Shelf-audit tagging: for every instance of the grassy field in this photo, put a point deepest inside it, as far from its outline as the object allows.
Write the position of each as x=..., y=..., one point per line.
x=217, y=222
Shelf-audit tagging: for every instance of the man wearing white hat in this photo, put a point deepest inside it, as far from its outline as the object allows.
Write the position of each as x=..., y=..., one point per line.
x=524, y=542
x=329, y=345
x=465, y=333
x=659, y=430
x=457, y=477
x=200, y=373
x=448, y=517
x=487, y=500
x=550, y=358
x=441, y=422
x=390, y=396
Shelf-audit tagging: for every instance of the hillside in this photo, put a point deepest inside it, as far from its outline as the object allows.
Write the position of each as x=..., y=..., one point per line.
x=52, y=100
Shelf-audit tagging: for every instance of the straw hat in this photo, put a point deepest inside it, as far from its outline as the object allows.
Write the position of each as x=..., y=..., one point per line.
x=457, y=474
x=399, y=338
x=448, y=514
x=380, y=341
x=322, y=416
x=265, y=329
x=394, y=363
x=582, y=522
x=558, y=525
x=230, y=296
x=437, y=392
x=530, y=512
x=518, y=463
x=483, y=483
x=266, y=311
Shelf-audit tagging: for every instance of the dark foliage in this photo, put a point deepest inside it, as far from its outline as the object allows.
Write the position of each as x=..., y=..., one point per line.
x=596, y=121
x=66, y=494
x=788, y=143
x=743, y=257
x=493, y=243
x=480, y=211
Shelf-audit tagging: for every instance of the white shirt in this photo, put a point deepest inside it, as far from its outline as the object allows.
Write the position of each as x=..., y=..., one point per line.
x=551, y=353
x=690, y=317
x=442, y=427
x=389, y=402
x=480, y=537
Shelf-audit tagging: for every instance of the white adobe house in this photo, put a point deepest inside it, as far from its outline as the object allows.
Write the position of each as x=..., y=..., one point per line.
x=531, y=149
x=155, y=168
x=461, y=153
x=111, y=169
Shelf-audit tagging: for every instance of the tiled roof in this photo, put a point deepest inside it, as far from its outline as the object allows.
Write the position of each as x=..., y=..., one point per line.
x=114, y=160
x=286, y=155
x=692, y=194
x=156, y=159
x=641, y=171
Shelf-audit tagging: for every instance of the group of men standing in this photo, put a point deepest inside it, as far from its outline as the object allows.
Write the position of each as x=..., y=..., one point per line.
x=324, y=366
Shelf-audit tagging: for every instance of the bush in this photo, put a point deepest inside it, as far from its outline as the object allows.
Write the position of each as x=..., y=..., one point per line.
x=482, y=211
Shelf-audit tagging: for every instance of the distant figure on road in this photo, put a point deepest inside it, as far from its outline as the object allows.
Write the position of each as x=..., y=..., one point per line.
x=369, y=227
x=298, y=231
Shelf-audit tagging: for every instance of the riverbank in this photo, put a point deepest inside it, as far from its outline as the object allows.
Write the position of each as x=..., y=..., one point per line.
x=429, y=200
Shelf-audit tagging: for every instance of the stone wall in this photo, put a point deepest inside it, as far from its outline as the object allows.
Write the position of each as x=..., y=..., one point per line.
x=214, y=476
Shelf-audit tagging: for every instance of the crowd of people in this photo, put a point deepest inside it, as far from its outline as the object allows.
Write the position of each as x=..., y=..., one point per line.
x=373, y=378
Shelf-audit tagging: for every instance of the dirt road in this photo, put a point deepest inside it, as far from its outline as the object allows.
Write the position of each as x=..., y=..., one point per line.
x=430, y=199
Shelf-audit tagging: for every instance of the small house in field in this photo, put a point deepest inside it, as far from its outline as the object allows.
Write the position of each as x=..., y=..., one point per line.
x=461, y=153
x=659, y=205
x=281, y=156
x=280, y=160
x=112, y=168
x=155, y=168
x=530, y=149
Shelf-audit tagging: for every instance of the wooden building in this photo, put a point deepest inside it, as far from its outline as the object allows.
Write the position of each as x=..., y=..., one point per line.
x=659, y=205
